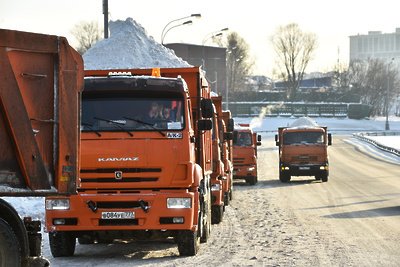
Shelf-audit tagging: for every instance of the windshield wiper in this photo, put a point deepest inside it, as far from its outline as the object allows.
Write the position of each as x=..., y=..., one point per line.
x=90, y=128
x=118, y=124
x=145, y=123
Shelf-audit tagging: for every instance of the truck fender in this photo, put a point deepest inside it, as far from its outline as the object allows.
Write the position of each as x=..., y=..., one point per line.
x=197, y=174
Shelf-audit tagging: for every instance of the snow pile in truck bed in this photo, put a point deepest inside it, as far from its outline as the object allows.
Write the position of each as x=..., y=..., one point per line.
x=129, y=47
x=304, y=122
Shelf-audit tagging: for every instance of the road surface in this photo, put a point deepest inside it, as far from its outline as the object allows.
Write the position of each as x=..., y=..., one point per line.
x=352, y=220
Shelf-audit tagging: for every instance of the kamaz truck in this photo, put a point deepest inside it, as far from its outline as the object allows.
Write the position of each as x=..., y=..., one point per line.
x=303, y=150
x=146, y=161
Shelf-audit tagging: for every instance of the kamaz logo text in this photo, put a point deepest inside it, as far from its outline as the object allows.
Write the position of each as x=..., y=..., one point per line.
x=119, y=159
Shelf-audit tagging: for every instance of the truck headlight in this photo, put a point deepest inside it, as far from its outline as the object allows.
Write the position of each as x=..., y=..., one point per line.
x=215, y=187
x=57, y=204
x=323, y=168
x=250, y=169
x=179, y=203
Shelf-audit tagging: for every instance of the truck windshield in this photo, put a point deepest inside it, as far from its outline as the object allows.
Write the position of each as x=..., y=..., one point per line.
x=242, y=139
x=132, y=111
x=296, y=138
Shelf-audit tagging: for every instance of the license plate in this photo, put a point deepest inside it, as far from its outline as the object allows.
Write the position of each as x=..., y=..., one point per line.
x=304, y=168
x=118, y=215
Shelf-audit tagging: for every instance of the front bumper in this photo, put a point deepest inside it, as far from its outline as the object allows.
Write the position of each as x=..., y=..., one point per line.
x=81, y=217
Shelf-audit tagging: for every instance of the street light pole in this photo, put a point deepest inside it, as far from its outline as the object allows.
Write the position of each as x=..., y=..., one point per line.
x=105, y=12
x=163, y=34
x=387, y=98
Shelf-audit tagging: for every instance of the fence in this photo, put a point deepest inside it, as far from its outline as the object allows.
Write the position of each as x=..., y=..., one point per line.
x=252, y=109
x=364, y=137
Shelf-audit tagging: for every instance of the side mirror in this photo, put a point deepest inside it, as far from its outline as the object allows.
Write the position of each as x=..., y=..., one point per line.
x=204, y=125
x=228, y=136
x=259, y=138
x=230, y=125
x=276, y=140
x=207, y=109
x=329, y=139
x=258, y=143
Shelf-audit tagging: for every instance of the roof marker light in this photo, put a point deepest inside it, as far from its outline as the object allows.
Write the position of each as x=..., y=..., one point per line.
x=156, y=72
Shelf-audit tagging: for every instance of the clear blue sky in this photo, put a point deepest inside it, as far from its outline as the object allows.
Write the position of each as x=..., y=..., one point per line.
x=254, y=20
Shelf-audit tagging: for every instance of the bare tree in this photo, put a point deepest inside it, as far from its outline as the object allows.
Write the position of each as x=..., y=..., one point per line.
x=369, y=78
x=87, y=34
x=238, y=64
x=294, y=49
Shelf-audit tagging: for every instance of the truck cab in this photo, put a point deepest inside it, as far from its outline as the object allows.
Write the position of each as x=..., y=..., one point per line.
x=245, y=144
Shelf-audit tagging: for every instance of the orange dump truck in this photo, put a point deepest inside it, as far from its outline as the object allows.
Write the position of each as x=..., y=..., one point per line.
x=146, y=161
x=41, y=78
x=221, y=185
x=245, y=143
x=303, y=150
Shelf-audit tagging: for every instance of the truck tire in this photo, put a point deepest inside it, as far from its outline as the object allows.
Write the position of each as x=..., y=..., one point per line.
x=324, y=178
x=188, y=242
x=217, y=214
x=284, y=178
x=252, y=180
x=62, y=244
x=10, y=254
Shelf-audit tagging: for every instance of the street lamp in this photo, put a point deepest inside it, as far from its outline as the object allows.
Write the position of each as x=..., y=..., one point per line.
x=189, y=22
x=219, y=33
x=185, y=23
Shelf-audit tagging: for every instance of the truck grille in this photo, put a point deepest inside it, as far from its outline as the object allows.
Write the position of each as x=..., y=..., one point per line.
x=125, y=170
x=126, y=175
x=304, y=159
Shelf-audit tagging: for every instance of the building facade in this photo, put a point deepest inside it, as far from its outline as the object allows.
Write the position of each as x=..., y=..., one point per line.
x=375, y=44
x=212, y=59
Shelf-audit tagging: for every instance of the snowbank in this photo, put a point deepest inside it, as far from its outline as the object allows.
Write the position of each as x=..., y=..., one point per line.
x=129, y=47
x=304, y=121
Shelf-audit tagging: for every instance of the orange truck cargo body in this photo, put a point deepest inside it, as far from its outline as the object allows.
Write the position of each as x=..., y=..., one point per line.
x=41, y=80
x=221, y=176
x=303, y=151
x=139, y=172
x=245, y=154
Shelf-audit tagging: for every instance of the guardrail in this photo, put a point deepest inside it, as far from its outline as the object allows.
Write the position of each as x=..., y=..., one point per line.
x=364, y=137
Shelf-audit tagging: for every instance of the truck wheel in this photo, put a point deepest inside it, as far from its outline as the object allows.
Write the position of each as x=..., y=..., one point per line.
x=252, y=180
x=62, y=244
x=10, y=254
x=188, y=242
x=325, y=178
x=217, y=214
x=284, y=177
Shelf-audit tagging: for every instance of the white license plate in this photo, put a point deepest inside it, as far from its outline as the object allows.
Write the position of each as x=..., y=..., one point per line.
x=304, y=168
x=118, y=215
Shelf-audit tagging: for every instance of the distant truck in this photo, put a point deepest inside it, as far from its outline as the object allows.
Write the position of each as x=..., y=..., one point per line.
x=41, y=79
x=245, y=143
x=146, y=161
x=303, y=150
